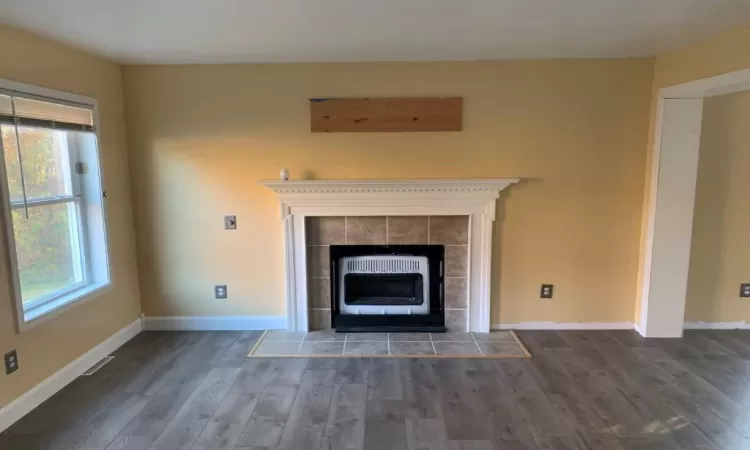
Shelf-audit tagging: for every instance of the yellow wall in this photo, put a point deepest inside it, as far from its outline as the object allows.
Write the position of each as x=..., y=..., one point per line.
x=51, y=345
x=719, y=261
x=726, y=52
x=576, y=131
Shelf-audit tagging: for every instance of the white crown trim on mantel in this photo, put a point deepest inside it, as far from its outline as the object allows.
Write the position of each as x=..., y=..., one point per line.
x=475, y=198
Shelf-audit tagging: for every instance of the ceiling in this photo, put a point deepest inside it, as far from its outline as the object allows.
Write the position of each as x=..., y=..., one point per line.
x=236, y=31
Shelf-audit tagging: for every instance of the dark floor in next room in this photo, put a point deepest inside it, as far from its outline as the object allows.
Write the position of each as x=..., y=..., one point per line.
x=582, y=390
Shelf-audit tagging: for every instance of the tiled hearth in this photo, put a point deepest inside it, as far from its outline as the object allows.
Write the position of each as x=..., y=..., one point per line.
x=449, y=231
x=324, y=343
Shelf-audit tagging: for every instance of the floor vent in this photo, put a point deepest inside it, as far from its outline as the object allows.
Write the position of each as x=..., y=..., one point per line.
x=95, y=368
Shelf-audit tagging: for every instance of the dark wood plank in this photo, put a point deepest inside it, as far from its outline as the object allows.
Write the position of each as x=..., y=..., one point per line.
x=307, y=420
x=386, y=114
x=598, y=390
x=182, y=431
x=225, y=427
x=345, y=426
x=266, y=424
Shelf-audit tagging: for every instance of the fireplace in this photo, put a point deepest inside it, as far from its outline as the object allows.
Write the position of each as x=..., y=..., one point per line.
x=387, y=288
x=410, y=212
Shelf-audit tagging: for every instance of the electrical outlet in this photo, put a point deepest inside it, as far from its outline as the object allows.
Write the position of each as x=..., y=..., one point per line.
x=230, y=222
x=547, y=291
x=745, y=290
x=11, y=362
x=220, y=291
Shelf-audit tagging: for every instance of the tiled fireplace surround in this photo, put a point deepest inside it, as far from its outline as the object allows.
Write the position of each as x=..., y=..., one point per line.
x=457, y=213
x=449, y=231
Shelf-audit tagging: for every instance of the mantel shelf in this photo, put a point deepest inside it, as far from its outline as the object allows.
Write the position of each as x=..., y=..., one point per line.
x=341, y=186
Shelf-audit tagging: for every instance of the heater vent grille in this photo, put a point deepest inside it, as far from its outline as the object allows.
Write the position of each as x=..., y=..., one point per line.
x=383, y=266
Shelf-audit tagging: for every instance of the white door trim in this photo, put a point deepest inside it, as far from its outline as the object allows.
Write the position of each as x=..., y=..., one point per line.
x=674, y=168
x=474, y=198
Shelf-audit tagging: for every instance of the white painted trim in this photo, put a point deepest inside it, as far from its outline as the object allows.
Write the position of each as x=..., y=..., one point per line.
x=473, y=198
x=215, y=323
x=667, y=236
x=717, y=325
x=725, y=83
x=564, y=326
x=670, y=223
x=639, y=330
x=21, y=406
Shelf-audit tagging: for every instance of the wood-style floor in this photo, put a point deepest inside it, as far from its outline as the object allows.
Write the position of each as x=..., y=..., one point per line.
x=582, y=390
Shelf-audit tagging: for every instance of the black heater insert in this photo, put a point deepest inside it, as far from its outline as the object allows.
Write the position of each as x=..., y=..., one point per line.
x=387, y=288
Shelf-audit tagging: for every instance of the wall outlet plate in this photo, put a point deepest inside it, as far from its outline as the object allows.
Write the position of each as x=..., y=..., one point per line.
x=745, y=290
x=220, y=291
x=230, y=222
x=11, y=362
x=547, y=291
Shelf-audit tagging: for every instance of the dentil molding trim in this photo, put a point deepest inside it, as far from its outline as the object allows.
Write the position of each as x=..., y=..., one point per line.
x=475, y=198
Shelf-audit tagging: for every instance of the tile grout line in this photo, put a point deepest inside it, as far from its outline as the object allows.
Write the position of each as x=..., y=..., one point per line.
x=388, y=341
x=346, y=230
x=343, y=350
x=433, y=345
x=476, y=343
x=386, y=230
x=428, y=230
x=299, y=347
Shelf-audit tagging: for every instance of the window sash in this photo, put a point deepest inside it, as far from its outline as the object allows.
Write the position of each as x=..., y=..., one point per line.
x=78, y=236
x=42, y=201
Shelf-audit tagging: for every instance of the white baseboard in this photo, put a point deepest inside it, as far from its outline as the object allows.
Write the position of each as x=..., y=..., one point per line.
x=216, y=323
x=564, y=326
x=21, y=406
x=639, y=330
x=717, y=326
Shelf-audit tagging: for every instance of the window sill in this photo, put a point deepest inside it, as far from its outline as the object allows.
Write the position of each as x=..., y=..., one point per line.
x=40, y=313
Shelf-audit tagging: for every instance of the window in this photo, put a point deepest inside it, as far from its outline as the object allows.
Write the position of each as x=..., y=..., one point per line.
x=53, y=201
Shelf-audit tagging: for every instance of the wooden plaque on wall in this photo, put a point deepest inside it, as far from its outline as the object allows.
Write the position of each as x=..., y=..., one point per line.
x=329, y=115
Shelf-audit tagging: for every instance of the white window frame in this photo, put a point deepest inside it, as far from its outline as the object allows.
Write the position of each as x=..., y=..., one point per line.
x=90, y=202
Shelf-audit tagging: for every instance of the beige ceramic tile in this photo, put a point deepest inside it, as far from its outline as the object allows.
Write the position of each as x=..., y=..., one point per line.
x=456, y=348
x=365, y=230
x=407, y=230
x=366, y=348
x=366, y=337
x=320, y=292
x=452, y=337
x=281, y=335
x=325, y=230
x=321, y=348
x=318, y=261
x=449, y=230
x=319, y=319
x=456, y=261
x=501, y=348
x=411, y=348
x=495, y=336
x=455, y=320
x=325, y=336
x=456, y=293
x=409, y=337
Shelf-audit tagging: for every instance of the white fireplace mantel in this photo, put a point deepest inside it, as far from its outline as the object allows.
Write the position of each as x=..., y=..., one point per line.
x=474, y=198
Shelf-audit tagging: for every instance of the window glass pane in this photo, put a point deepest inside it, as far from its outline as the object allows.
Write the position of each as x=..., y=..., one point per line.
x=46, y=163
x=48, y=250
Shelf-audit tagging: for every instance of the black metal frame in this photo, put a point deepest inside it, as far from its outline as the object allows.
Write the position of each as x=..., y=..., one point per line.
x=434, y=321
